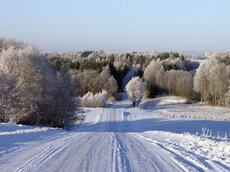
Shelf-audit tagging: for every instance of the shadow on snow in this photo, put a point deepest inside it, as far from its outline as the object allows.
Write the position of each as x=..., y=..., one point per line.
x=157, y=124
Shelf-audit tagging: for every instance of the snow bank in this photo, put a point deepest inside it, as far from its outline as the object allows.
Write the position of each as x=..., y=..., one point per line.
x=174, y=107
x=13, y=136
x=192, y=146
x=11, y=129
x=22, y=131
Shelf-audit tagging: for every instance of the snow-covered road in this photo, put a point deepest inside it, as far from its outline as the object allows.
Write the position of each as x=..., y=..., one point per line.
x=118, y=139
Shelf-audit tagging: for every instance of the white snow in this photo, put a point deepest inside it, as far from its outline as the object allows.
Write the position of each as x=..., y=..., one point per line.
x=175, y=107
x=21, y=131
x=123, y=138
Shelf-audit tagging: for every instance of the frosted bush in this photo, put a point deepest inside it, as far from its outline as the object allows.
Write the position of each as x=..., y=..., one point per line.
x=97, y=100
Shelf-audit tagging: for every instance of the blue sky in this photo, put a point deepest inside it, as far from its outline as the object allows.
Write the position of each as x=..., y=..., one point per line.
x=118, y=25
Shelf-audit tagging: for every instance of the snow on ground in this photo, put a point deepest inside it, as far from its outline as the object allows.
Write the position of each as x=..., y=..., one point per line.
x=9, y=129
x=174, y=107
x=123, y=138
x=13, y=137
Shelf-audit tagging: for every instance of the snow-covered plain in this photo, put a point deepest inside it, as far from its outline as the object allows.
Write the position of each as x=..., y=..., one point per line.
x=163, y=134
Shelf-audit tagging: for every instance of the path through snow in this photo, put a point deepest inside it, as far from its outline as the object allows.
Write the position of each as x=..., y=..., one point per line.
x=121, y=139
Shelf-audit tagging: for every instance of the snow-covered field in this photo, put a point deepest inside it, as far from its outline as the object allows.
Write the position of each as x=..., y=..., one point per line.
x=174, y=107
x=163, y=134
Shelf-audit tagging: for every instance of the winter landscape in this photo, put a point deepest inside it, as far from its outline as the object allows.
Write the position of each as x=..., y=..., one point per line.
x=123, y=138
x=91, y=86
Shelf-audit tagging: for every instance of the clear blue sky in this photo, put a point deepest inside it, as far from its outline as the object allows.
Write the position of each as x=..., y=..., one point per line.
x=118, y=25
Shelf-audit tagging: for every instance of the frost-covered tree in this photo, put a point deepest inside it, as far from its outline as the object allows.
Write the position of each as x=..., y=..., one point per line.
x=111, y=86
x=31, y=87
x=179, y=83
x=108, y=82
x=227, y=95
x=151, y=70
x=161, y=80
x=76, y=83
x=171, y=81
x=201, y=82
x=29, y=69
x=97, y=100
x=8, y=97
x=135, y=89
x=212, y=81
x=90, y=81
x=67, y=103
x=101, y=98
x=7, y=43
x=227, y=98
x=132, y=73
x=218, y=83
x=150, y=76
x=104, y=75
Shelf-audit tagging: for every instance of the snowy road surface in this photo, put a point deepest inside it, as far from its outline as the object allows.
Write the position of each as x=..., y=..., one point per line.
x=117, y=138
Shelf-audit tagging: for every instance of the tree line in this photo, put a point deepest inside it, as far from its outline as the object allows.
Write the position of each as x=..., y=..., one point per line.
x=47, y=88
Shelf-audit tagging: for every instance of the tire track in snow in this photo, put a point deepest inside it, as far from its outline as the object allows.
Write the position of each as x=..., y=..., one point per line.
x=119, y=155
x=78, y=155
x=105, y=145
x=91, y=146
x=39, y=159
x=143, y=157
x=35, y=154
x=194, y=163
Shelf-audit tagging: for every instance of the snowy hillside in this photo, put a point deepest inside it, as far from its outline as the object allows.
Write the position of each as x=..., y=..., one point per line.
x=163, y=134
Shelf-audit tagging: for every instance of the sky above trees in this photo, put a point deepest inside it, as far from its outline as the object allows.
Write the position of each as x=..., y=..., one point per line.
x=118, y=25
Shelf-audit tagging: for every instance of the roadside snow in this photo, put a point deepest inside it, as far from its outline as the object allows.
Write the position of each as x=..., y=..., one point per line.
x=123, y=138
x=14, y=137
x=174, y=107
x=21, y=131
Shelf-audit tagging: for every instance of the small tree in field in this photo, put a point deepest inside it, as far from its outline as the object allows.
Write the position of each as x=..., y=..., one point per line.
x=135, y=89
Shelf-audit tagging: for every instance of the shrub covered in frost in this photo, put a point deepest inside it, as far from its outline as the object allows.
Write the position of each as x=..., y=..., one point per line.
x=94, y=100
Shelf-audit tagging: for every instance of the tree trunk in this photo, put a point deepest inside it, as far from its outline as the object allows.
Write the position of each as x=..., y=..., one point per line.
x=134, y=103
x=65, y=120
